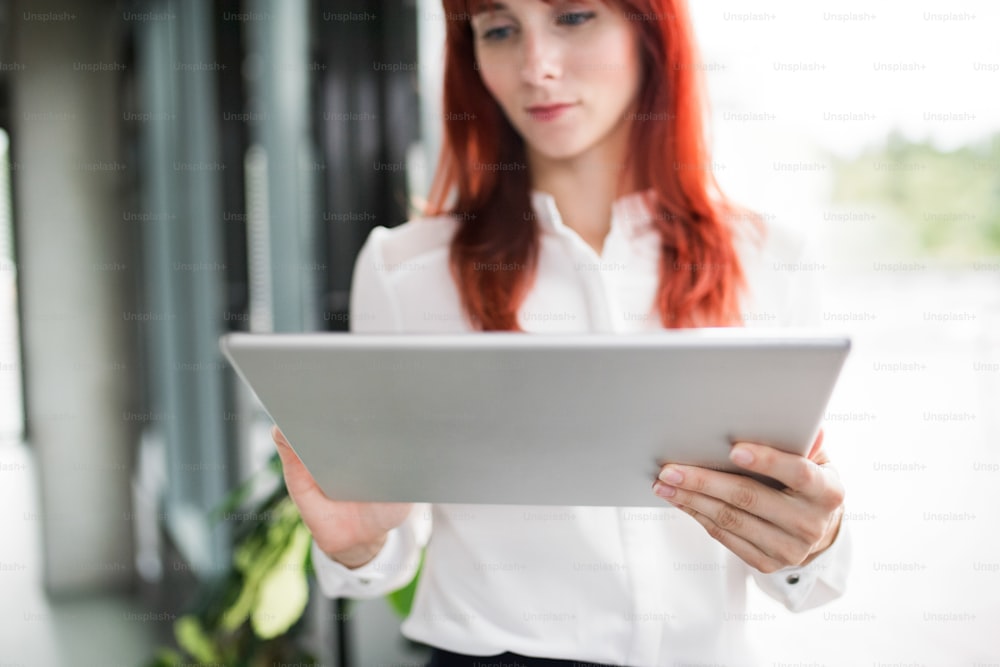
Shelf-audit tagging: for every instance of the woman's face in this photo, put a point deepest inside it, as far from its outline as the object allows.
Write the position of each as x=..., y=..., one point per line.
x=566, y=74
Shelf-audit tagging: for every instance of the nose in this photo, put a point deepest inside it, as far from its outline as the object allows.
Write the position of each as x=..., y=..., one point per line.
x=540, y=57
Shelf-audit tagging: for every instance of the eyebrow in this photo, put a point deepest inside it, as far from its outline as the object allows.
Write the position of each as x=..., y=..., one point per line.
x=488, y=6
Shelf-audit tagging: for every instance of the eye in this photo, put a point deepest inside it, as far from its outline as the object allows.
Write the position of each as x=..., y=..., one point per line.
x=496, y=34
x=575, y=18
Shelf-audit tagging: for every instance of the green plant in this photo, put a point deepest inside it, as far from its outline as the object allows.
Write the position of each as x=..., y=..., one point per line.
x=937, y=203
x=250, y=617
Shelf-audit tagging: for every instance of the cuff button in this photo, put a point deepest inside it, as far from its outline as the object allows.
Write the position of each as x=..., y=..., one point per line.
x=792, y=579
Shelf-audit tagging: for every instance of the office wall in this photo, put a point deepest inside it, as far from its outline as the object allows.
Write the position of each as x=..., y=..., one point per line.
x=74, y=270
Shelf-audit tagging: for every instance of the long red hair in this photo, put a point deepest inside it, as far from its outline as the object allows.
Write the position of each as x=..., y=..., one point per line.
x=483, y=180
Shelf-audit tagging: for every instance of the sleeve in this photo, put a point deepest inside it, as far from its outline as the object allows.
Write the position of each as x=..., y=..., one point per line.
x=393, y=567
x=372, y=306
x=809, y=586
x=373, y=310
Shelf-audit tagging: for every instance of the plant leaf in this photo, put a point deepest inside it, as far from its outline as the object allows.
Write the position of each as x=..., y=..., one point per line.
x=192, y=638
x=258, y=556
x=284, y=591
x=402, y=600
x=166, y=657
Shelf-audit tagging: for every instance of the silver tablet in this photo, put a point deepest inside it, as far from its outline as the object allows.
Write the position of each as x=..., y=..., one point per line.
x=535, y=419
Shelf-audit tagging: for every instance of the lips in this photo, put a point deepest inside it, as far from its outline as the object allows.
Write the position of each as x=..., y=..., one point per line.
x=546, y=112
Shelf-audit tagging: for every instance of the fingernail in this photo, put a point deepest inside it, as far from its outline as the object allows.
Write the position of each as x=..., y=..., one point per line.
x=741, y=456
x=672, y=476
x=663, y=491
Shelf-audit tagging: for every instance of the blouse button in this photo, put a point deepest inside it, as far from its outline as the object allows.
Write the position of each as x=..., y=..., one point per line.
x=792, y=579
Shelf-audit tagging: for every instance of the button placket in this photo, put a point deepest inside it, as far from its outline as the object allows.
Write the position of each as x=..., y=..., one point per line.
x=584, y=258
x=600, y=284
x=615, y=265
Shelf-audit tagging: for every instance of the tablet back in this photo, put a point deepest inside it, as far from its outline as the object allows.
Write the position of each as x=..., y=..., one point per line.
x=542, y=419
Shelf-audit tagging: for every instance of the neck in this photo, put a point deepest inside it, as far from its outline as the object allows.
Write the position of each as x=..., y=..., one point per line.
x=585, y=187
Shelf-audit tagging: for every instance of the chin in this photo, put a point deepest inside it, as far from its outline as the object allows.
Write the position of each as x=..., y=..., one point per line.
x=558, y=150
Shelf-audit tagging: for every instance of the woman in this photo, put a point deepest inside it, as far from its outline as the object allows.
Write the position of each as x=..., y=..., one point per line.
x=582, y=202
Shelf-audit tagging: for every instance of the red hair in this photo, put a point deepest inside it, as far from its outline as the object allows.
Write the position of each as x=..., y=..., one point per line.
x=483, y=165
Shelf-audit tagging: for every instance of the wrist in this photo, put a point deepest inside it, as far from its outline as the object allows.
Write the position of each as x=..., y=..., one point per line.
x=830, y=539
x=359, y=555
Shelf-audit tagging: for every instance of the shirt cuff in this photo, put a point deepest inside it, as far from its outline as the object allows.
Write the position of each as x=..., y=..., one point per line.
x=808, y=586
x=392, y=568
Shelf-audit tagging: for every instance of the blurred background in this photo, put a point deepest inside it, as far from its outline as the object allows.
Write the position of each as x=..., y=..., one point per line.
x=172, y=170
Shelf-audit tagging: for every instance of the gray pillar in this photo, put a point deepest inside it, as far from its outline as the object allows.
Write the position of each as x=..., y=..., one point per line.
x=278, y=46
x=73, y=272
x=184, y=260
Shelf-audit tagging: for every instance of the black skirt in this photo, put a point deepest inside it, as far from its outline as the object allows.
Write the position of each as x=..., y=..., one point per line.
x=442, y=658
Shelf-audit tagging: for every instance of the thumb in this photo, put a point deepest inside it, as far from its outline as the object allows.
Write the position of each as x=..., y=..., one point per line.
x=817, y=444
x=300, y=483
x=816, y=453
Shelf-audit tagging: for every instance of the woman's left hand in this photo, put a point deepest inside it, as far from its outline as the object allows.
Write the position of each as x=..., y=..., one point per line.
x=767, y=528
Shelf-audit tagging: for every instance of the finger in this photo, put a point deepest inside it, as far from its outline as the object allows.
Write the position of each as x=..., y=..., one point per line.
x=746, y=551
x=740, y=491
x=769, y=538
x=817, y=444
x=799, y=474
x=819, y=457
x=301, y=485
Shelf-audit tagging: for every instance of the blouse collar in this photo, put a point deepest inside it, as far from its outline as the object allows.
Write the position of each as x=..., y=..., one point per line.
x=631, y=213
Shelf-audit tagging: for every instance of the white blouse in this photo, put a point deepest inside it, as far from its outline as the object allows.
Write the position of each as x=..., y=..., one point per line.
x=627, y=586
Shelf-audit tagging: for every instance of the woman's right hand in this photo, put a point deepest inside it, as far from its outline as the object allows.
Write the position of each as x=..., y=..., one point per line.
x=351, y=533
